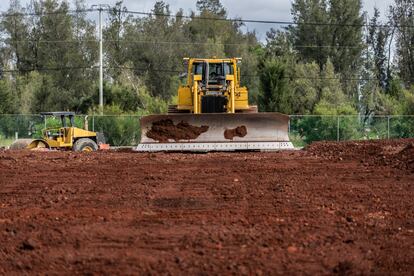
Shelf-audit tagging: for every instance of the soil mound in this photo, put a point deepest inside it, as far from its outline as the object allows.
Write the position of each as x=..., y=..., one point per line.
x=396, y=153
x=333, y=150
x=403, y=159
x=239, y=131
x=165, y=130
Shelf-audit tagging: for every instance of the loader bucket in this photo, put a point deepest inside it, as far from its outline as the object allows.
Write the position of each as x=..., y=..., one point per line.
x=214, y=132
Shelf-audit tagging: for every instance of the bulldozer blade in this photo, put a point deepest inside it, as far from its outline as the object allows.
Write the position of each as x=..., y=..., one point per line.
x=214, y=132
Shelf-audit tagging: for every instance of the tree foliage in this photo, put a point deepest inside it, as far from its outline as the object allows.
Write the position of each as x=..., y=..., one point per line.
x=324, y=62
x=275, y=92
x=402, y=16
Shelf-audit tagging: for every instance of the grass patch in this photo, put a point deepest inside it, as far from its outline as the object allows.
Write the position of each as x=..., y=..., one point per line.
x=5, y=142
x=297, y=141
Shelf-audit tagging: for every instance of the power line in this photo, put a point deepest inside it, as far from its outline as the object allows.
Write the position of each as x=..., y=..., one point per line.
x=167, y=43
x=275, y=22
x=149, y=69
x=243, y=75
x=228, y=44
x=46, y=41
x=27, y=70
x=16, y=14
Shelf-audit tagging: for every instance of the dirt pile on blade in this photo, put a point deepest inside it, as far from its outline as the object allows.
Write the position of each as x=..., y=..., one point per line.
x=165, y=130
x=239, y=131
x=395, y=153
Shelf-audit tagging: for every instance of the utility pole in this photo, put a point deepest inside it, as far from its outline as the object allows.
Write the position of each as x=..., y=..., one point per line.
x=100, y=8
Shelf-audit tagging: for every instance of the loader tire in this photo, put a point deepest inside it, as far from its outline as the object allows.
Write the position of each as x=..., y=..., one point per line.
x=85, y=144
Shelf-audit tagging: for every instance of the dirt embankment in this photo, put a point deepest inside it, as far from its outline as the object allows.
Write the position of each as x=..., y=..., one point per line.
x=395, y=153
x=335, y=208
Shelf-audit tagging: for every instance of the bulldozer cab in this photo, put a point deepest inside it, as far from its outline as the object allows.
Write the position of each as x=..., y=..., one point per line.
x=65, y=117
x=213, y=72
x=213, y=86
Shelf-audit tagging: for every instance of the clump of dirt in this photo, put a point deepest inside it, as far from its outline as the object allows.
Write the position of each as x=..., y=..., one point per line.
x=239, y=131
x=28, y=244
x=343, y=268
x=164, y=130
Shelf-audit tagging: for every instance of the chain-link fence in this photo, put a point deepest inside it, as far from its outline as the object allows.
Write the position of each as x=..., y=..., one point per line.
x=304, y=129
x=124, y=130
x=119, y=130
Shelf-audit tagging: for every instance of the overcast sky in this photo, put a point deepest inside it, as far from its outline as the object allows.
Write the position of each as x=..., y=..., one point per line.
x=276, y=10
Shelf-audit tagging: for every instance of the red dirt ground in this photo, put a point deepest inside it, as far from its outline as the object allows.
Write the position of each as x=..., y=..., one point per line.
x=334, y=208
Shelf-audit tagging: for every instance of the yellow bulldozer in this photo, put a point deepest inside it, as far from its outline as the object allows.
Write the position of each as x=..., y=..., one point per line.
x=213, y=114
x=65, y=137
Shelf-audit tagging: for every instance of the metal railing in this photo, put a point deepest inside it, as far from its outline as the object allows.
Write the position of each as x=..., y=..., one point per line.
x=124, y=130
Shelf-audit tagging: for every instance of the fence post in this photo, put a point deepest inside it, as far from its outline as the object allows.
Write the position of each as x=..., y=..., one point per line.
x=86, y=122
x=388, y=127
x=93, y=121
x=289, y=125
x=337, y=129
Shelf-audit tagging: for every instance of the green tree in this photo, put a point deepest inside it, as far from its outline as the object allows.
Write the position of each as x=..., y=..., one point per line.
x=9, y=99
x=151, y=54
x=116, y=44
x=330, y=29
x=57, y=44
x=212, y=6
x=306, y=87
x=409, y=101
x=17, y=32
x=345, y=36
x=376, y=72
x=275, y=94
x=378, y=41
x=325, y=28
x=66, y=52
x=402, y=17
x=311, y=40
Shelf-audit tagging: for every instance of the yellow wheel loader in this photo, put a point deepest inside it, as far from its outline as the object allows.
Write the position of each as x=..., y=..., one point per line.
x=213, y=114
x=66, y=137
